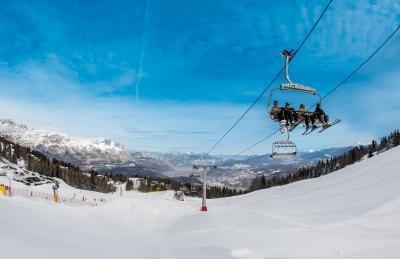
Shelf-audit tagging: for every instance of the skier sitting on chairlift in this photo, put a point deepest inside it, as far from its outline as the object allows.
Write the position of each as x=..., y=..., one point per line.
x=289, y=114
x=303, y=114
x=276, y=112
x=320, y=115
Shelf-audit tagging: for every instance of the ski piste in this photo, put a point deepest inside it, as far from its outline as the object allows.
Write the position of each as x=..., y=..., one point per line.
x=329, y=125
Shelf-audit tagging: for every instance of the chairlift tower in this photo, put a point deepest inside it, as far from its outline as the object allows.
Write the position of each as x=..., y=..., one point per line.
x=206, y=167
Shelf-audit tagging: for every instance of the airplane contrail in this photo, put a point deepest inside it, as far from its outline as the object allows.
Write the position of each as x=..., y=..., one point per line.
x=142, y=48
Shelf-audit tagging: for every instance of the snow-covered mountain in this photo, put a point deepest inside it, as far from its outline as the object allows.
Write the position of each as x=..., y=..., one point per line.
x=79, y=151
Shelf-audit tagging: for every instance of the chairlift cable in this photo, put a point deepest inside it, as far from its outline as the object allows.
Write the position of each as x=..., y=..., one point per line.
x=363, y=63
x=255, y=144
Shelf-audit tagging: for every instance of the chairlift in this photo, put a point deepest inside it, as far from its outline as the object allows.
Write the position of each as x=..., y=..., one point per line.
x=289, y=85
x=283, y=148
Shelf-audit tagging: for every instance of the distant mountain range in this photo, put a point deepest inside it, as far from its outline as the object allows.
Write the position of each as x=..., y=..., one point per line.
x=79, y=151
x=239, y=173
x=107, y=156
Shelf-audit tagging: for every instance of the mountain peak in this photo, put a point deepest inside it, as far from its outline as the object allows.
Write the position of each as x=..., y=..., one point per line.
x=12, y=123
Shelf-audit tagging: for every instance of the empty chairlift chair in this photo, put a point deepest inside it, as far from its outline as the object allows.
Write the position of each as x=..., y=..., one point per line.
x=283, y=148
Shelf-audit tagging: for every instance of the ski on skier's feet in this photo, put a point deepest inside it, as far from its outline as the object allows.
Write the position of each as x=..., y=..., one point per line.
x=292, y=127
x=329, y=125
x=310, y=130
x=307, y=129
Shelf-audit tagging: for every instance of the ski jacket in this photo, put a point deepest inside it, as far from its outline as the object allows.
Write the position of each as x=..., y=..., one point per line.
x=302, y=111
x=290, y=110
x=275, y=110
x=319, y=111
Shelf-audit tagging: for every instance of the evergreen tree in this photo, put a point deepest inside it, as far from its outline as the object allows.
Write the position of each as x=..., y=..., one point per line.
x=92, y=182
x=263, y=181
x=129, y=185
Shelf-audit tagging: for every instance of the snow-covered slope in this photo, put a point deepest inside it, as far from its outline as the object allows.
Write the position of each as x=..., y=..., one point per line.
x=79, y=151
x=352, y=213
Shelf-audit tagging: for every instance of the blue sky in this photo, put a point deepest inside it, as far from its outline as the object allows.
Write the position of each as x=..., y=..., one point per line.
x=174, y=75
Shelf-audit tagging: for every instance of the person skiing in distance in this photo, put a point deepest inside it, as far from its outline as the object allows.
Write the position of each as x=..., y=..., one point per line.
x=320, y=115
x=56, y=186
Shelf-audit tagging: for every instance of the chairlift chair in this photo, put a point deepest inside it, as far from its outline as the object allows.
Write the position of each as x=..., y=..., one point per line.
x=283, y=148
x=289, y=85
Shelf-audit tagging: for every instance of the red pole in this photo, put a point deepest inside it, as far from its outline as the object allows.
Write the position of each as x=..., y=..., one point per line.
x=203, y=203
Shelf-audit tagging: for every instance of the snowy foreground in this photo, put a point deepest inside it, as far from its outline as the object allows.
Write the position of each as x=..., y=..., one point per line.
x=352, y=213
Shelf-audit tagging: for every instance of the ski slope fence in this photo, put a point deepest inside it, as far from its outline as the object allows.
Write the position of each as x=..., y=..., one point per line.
x=49, y=197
